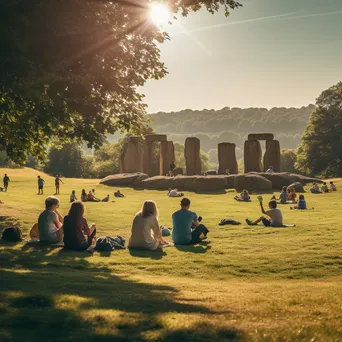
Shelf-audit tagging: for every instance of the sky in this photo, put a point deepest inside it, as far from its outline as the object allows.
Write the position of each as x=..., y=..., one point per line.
x=269, y=53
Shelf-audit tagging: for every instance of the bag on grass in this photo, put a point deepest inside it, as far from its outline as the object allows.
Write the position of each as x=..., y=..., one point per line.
x=12, y=234
x=107, y=243
x=229, y=221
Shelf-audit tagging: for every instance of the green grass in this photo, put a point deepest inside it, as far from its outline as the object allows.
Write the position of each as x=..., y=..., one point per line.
x=249, y=284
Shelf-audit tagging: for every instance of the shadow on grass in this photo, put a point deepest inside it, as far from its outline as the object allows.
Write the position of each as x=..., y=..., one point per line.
x=156, y=254
x=56, y=295
x=199, y=248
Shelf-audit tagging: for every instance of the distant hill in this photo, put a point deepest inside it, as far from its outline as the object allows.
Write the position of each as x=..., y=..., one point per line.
x=233, y=125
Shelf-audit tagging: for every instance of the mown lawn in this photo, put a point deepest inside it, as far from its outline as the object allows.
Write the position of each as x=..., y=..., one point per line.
x=249, y=284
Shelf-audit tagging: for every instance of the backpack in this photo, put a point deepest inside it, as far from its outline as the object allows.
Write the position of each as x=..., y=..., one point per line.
x=107, y=243
x=229, y=221
x=12, y=234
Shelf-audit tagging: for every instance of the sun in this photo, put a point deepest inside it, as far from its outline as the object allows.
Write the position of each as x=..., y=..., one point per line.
x=159, y=14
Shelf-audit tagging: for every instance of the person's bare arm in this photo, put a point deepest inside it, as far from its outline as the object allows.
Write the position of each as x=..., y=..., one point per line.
x=262, y=209
x=60, y=217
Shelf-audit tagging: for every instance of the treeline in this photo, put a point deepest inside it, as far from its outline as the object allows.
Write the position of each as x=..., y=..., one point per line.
x=233, y=125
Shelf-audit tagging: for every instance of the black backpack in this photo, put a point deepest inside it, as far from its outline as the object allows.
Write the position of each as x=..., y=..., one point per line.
x=12, y=234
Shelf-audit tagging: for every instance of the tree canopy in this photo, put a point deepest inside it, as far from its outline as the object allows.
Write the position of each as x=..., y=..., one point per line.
x=320, y=152
x=70, y=69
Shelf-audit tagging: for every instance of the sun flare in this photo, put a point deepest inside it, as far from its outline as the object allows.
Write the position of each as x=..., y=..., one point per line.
x=159, y=14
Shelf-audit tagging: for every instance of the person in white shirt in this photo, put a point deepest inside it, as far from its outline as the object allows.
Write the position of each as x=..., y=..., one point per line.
x=270, y=170
x=174, y=193
x=276, y=217
x=73, y=197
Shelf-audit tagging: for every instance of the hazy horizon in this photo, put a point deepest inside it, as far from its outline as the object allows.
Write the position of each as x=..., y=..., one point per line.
x=267, y=54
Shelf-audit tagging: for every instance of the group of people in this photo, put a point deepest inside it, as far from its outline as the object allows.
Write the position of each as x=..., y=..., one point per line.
x=88, y=197
x=324, y=188
x=146, y=232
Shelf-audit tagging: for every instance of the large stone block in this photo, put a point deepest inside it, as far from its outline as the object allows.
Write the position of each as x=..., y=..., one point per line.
x=131, y=156
x=272, y=155
x=149, y=159
x=155, y=137
x=227, y=158
x=192, y=156
x=171, y=152
x=124, y=179
x=252, y=156
x=260, y=136
x=252, y=182
x=164, y=158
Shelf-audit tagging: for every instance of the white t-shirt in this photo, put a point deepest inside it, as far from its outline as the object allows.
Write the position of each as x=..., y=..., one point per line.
x=173, y=193
x=270, y=171
x=276, y=217
x=47, y=229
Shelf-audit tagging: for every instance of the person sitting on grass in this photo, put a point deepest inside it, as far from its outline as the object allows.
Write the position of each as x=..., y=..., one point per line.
x=315, y=189
x=84, y=197
x=146, y=233
x=91, y=197
x=118, y=194
x=174, y=193
x=73, y=197
x=292, y=195
x=106, y=199
x=50, y=223
x=332, y=186
x=276, y=217
x=324, y=187
x=183, y=220
x=301, y=204
x=78, y=235
x=244, y=196
x=283, y=196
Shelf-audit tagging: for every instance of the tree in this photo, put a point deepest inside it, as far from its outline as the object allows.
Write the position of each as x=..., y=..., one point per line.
x=320, y=150
x=288, y=160
x=67, y=161
x=71, y=69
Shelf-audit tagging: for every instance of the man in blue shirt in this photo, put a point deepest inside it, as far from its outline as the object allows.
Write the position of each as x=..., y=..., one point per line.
x=182, y=221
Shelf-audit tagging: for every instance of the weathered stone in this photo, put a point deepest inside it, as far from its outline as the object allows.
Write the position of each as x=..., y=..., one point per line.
x=227, y=158
x=190, y=183
x=252, y=156
x=229, y=181
x=164, y=158
x=192, y=156
x=252, y=182
x=124, y=179
x=131, y=156
x=155, y=137
x=297, y=186
x=272, y=155
x=260, y=136
x=211, y=173
x=171, y=152
x=150, y=166
x=178, y=171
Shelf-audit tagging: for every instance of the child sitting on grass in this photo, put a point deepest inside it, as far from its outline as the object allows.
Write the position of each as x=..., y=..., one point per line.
x=244, y=197
x=276, y=217
x=301, y=204
x=324, y=187
x=332, y=186
x=292, y=195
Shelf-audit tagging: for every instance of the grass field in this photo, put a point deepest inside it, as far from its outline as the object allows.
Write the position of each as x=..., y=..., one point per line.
x=249, y=284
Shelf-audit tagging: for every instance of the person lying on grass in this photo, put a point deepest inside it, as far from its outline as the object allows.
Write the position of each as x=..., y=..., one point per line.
x=50, y=223
x=174, y=193
x=183, y=220
x=78, y=235
x=146, y=233
x=118, y=194
x=301, y=204
x=276, y=217
x=243, y=197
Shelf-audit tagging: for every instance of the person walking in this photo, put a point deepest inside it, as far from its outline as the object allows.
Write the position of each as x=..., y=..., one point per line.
x=41, y=183
x=6, y=181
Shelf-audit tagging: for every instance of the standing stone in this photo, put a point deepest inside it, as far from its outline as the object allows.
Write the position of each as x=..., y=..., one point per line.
x=192, y=156
x=272, y=155
x=171, y=152
x=131, y=156
x=227, y=158
x=164, y=158
x=252, y=156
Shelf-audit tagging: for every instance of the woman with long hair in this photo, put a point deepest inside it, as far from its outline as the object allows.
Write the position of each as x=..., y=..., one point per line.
x=77, y=234
x=146, y=233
